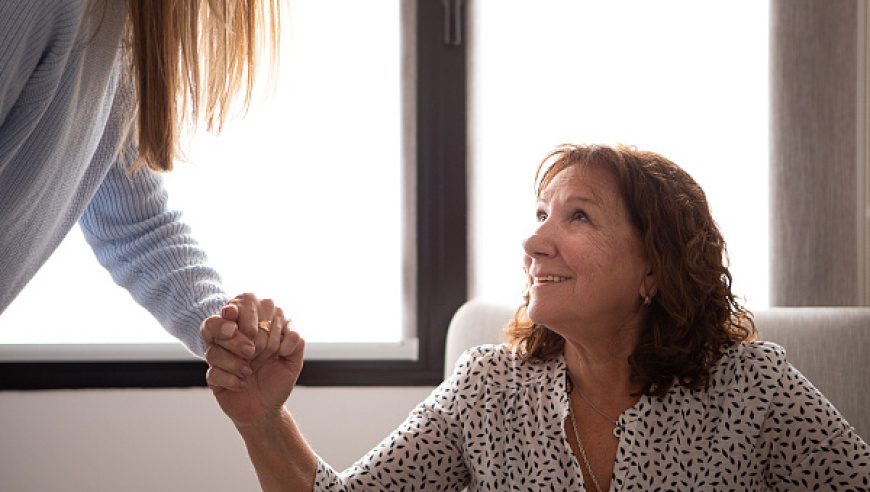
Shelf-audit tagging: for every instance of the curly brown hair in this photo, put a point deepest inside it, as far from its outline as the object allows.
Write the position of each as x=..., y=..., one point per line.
x=694, y=315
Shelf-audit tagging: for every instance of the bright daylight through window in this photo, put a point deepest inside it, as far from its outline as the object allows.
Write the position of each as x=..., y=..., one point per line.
x=686, y=79
x=300, y=201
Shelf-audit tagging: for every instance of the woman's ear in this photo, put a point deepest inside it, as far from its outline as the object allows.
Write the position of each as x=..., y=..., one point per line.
x=649, y=286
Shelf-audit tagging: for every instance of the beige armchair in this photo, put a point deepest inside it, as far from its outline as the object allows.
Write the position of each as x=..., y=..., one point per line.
x=829, y=345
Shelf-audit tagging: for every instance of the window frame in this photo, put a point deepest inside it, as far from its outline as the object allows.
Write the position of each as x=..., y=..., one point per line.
x=435, y=243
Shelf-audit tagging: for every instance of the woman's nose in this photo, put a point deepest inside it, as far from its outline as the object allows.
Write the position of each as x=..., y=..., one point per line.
x=539, y=245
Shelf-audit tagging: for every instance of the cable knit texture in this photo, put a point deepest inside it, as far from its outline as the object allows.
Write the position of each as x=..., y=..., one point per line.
x=63, y=94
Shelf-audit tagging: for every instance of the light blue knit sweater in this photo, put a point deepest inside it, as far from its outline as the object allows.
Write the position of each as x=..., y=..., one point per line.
x=62, y=92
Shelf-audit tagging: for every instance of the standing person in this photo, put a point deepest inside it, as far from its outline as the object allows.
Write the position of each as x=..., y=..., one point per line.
x=94, y=95
x=630, y=365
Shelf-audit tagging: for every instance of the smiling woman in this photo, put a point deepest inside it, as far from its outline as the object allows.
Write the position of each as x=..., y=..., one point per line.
x=623, y=246
x=585, y=253
x=615, y=377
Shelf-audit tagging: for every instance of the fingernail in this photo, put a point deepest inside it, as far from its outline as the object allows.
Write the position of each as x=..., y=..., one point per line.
x=247, y=371
x=227, y=329
x=247, y=350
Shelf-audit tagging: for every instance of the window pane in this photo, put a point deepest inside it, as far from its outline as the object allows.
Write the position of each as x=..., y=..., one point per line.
x=310, y=179
x=682, y=78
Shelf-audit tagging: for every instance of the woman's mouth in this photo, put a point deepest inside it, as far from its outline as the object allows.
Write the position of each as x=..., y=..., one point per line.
x=550, y=279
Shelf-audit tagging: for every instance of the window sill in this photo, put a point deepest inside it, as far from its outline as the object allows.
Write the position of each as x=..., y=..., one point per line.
x=50, y=367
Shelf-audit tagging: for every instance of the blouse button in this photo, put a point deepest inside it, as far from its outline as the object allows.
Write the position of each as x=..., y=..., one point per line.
x=617, y=431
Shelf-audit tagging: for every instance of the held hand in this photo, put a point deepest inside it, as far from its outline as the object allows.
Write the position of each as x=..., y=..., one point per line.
x=246, y=311
x=236, y=329
x=253, y=368
x=252, y=390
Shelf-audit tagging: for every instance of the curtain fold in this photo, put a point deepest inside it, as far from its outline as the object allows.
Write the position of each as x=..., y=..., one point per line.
x=814, y=132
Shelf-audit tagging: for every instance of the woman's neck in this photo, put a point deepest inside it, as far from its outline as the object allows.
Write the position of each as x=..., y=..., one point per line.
x=601, y=368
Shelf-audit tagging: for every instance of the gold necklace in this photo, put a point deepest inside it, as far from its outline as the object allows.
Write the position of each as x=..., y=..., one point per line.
x=614, y=422
x=571, y=387
x=582, y=451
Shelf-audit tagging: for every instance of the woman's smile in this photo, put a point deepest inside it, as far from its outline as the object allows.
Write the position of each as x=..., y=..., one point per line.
x=584, y=259
x=550, y=279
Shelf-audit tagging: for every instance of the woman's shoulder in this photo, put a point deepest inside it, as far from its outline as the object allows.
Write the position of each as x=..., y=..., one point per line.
x=46, y=15
x=502, y=365
x=484, y=358
x=31, y=31
x=757, y=352
x=750, y=363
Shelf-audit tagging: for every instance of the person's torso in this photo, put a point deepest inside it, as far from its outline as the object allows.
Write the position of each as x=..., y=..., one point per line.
x=57, y=139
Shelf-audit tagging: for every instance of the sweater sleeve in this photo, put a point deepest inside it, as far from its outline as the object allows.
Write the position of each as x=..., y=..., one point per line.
x=149, y=251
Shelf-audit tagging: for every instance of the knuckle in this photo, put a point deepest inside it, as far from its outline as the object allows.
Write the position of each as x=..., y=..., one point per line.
x=217, y=378
x=211, y=377
x=248, y=298
x=211, y=355
x=260, y=343
x=273, y=344
x=209, y=323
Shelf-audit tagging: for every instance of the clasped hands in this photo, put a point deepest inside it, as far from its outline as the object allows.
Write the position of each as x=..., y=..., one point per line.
x=254, y=358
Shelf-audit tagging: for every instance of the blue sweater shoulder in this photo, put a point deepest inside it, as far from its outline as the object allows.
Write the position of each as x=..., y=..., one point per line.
x=36, y=36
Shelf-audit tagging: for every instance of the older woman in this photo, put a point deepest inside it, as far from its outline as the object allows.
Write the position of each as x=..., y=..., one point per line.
x=629, y=367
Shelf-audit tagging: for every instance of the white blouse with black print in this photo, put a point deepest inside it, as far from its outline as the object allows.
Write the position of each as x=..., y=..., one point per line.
x=498, y=424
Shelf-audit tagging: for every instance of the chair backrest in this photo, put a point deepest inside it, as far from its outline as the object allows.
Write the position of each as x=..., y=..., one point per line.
x=829, y=345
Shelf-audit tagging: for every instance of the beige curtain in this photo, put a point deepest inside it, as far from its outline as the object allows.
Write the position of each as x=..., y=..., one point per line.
x=814, y=132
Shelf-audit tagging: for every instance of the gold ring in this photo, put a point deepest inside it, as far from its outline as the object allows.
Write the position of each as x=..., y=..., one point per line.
x=265, y=325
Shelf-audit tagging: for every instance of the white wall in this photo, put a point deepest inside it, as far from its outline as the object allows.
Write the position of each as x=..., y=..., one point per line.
x=147, y=440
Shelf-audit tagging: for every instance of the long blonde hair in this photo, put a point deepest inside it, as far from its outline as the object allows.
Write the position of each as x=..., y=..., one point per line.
x=191, y=60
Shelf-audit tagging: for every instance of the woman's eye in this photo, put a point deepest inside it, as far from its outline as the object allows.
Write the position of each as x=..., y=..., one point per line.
x=580, y=215
x=541, y=215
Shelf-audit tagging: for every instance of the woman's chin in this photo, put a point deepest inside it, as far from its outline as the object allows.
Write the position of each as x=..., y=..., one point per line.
x=538, y=314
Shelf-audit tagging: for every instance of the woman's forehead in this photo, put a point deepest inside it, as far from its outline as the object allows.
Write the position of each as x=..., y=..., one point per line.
x=579, y=182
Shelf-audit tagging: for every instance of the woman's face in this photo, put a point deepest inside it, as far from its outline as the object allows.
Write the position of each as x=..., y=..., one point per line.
x=584, y=258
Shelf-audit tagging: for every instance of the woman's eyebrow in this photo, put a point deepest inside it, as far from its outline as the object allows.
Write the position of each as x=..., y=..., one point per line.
x=583, y=198
x=575, y=198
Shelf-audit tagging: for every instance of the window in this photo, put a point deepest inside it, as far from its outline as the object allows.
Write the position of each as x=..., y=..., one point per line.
x=367, y=139
x=686, y=79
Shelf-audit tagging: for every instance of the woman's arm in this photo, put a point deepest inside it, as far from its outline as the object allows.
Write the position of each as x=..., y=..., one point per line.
x=151, y=252
x=424, y=452
x=252, y=393
x=281, y=457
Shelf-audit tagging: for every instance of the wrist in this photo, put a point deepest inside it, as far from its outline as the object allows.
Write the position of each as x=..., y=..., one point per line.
x=270, y=421
x=279, y=453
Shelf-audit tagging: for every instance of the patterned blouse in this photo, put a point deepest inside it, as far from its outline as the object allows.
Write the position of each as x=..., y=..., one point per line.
x=499, y=424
